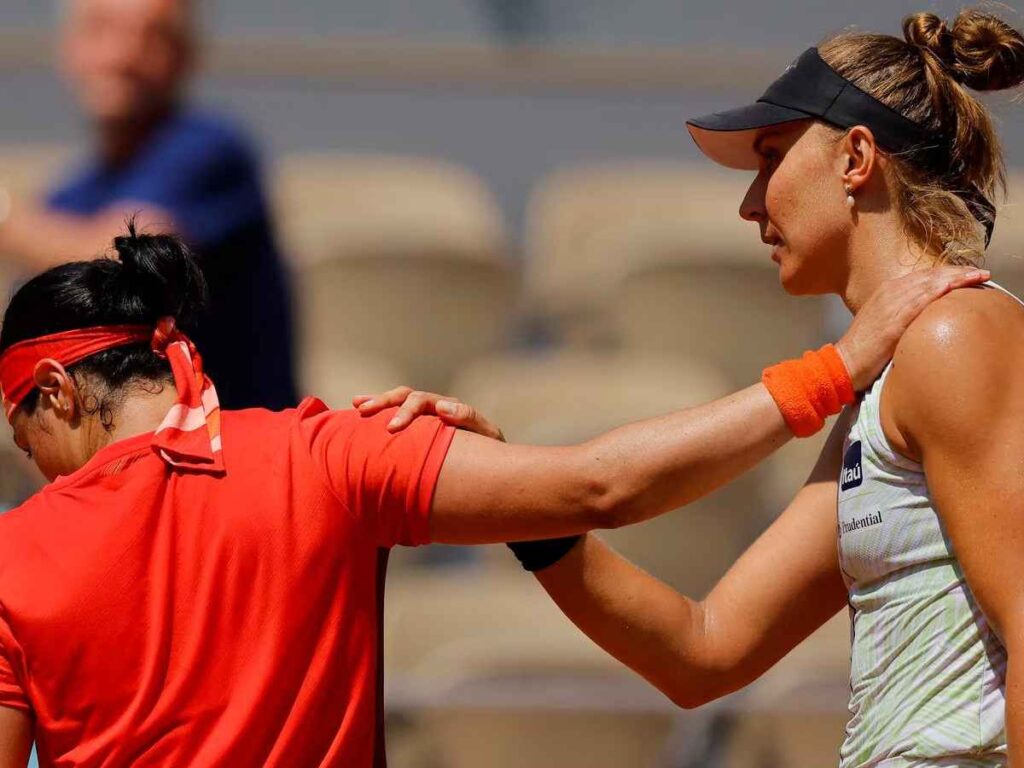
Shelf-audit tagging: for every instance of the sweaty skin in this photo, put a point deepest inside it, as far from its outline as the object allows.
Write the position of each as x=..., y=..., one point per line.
x=954, y=402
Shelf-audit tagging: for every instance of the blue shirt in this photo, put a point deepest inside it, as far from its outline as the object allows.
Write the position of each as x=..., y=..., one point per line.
x=202, y=172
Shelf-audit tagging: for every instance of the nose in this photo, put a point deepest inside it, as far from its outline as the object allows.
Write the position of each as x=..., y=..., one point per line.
x=752, y=207
x=129, y=51
x=119, y=46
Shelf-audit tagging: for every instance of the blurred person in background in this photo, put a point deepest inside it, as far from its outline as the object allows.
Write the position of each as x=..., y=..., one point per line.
x=873, y=161
x=129, y=63
x=204, y=587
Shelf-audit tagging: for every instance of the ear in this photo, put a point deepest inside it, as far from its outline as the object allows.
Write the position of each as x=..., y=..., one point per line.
x=57, y=388
x=859, y=156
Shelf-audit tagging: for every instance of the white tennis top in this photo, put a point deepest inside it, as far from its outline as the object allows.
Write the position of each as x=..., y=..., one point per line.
x=927, y=682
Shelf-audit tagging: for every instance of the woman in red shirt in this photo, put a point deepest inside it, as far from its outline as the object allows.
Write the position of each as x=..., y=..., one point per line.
x=203, y=588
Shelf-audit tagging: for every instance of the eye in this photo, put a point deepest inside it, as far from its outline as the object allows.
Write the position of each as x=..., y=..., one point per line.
x=769, y=157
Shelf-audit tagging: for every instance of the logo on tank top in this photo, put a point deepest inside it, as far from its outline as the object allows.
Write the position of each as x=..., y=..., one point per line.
x=852, y=475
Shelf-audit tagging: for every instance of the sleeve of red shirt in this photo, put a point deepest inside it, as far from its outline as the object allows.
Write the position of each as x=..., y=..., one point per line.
x=385, y=479
x=11, y=692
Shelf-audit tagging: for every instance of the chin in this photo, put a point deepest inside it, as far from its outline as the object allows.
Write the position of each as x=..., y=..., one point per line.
x=799, y=285
x=797, y=280
x=791, y=279
x=111, y=105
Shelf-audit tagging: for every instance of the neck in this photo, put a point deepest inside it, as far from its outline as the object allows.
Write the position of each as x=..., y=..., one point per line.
x=140, y=413
x=121, y=139
x=880, y=256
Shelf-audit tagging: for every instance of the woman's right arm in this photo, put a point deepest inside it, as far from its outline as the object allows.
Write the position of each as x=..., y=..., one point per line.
x=780, y=591
x=491, y=492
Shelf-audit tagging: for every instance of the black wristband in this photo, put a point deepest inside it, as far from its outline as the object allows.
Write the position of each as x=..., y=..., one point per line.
x=538, y=555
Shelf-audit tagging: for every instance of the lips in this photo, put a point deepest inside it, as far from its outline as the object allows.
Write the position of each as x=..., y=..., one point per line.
x=775, y=242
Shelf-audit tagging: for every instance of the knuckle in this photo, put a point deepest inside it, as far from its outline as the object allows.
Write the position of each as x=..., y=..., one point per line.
x=416, y=399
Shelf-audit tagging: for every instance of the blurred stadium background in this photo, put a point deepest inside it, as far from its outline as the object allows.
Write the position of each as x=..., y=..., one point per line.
x=498, y=199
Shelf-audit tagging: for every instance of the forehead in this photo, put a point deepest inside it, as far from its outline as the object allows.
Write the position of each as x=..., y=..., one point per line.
x=171, y=13
x=808, y=134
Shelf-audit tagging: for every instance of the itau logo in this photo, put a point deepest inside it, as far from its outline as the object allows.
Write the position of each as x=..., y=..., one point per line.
x=853, y=474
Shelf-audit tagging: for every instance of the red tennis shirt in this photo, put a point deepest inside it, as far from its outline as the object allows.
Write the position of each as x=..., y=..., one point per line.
x=152, y=617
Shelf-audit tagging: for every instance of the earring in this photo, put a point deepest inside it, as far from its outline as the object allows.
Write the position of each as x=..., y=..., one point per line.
x=850, y=202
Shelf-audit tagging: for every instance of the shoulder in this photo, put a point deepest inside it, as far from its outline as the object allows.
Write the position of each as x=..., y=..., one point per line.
x=195, y=134
x=264, y=421
x=210, y=127
x=319, y=422
x=967, y=326
x=959, y=357
x=312, y=417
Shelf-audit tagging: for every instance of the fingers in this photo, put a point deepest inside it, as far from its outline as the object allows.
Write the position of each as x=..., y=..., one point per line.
x=876, y=329
x=945, y=279
x=416, y=404
x=466, y=417
x=929, y=285
x=368, y=405
x=968, y=278
x=919, y=288
x=412, y=404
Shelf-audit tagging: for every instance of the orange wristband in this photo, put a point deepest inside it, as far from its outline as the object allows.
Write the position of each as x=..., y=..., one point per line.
x=810, y=389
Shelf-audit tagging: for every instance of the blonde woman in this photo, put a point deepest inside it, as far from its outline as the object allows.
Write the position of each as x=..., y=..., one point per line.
x=873, y=160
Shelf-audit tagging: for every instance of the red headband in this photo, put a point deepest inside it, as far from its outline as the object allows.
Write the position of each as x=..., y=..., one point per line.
x=18, y=363
x=190, y=434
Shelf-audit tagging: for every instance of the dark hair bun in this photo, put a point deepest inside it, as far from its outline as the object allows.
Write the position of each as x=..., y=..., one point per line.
x=153, y=276
x=980, y=50
x=159, y=276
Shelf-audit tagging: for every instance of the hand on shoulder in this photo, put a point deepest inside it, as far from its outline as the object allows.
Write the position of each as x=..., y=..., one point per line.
x=958, y=368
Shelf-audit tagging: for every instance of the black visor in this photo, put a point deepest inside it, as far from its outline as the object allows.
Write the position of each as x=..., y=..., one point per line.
x=808, y=89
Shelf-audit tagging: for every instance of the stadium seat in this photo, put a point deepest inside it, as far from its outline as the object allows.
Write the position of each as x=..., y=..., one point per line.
x=492, y=674
x=28, y=168
x=795, y=715
x=396, y=257
x=524, y=738
x=732, y=314
x=336, y=377
x=587, y=226
x=25, y=170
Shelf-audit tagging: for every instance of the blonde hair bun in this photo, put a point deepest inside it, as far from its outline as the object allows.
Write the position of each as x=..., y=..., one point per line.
x=980, y=50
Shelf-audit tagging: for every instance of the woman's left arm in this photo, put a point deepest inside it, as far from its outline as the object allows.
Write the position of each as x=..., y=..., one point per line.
x=955, y=399
x=15, y=737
